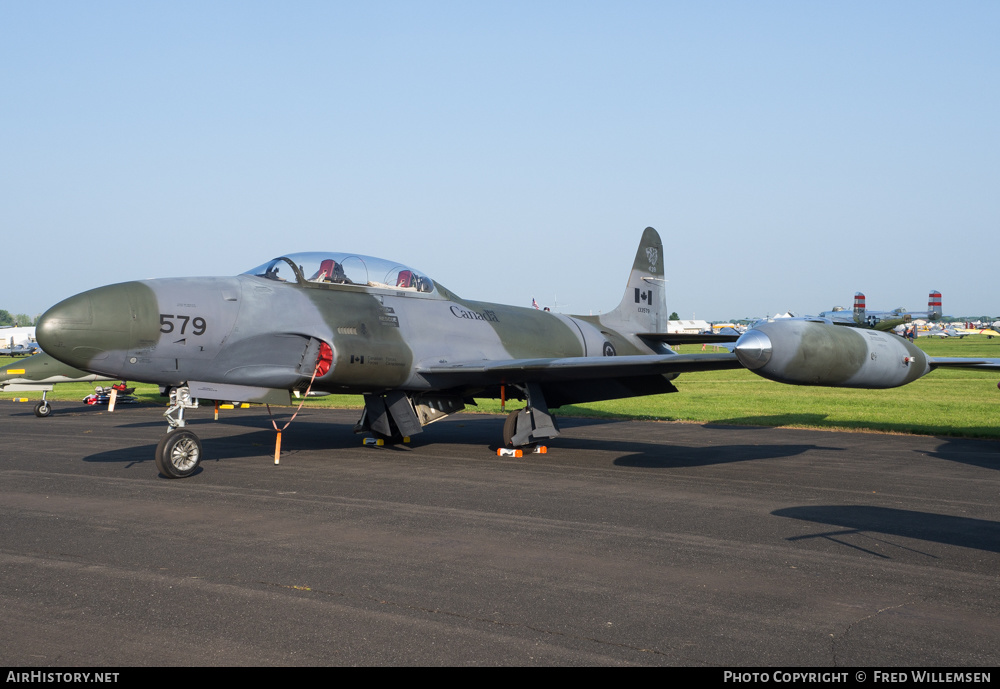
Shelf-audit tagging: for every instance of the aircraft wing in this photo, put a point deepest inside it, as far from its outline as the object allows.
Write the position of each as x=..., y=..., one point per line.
x=963, y=362
x=41, y=370
x=576, y=368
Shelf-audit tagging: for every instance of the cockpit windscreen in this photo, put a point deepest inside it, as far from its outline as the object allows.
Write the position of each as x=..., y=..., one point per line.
x=343, y=269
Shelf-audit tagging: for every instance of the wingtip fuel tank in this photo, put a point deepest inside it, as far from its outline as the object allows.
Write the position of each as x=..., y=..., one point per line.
x=813, y=352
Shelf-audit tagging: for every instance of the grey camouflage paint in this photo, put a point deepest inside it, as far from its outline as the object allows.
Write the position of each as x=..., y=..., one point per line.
x=259, y=333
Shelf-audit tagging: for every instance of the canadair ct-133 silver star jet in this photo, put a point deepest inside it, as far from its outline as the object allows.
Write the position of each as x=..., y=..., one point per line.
x=347, y=323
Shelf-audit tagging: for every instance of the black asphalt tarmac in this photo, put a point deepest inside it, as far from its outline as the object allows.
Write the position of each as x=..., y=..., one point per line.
x=629, y=543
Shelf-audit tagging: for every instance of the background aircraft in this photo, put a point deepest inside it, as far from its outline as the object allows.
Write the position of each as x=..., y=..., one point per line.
x=348, y=323
x=936, y=332
x=20, y=350
x=17, y=341
x=40, y=373
x=861, y=317
x=961, y=331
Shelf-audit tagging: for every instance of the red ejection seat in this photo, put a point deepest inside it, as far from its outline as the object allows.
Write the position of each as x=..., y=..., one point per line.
x=325, y=270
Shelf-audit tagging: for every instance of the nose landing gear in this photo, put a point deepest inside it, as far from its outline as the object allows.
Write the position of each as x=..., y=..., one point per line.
x=43, y=408
x=179, y=452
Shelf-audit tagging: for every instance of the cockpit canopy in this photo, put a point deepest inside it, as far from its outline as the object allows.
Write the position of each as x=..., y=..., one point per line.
x=319, y=267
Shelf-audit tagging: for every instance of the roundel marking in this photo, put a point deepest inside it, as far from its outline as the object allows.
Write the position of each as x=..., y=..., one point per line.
x=609, y=349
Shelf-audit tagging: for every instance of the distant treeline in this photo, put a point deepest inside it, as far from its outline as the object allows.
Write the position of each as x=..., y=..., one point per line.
x=21, y=319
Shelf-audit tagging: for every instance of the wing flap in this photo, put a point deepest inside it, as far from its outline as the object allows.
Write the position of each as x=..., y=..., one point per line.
x=578, y=368
x=960, y=362
x=689, y=338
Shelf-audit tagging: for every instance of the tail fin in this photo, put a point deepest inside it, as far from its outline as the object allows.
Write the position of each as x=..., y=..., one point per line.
x=860, y=312
x=643, y=307
x=934, y=311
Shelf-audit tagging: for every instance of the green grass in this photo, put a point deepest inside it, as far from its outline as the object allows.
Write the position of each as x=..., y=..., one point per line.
x=946, y=402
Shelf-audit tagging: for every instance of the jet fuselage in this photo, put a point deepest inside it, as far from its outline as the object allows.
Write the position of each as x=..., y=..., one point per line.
x=254, y=331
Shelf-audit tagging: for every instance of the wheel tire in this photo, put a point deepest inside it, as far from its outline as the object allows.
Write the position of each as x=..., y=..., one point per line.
x=178, y=454
x=510, y=428
x=43, y=409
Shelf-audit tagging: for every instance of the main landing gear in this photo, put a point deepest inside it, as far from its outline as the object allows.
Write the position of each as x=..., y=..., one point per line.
x=390, y=418
x=527, y=427
x=510, y=428
x=179, y=452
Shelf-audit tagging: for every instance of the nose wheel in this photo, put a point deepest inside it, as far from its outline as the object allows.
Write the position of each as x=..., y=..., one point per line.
x=178, y=453
x=43, y=408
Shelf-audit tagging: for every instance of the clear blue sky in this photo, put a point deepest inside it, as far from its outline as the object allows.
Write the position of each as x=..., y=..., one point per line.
x=789, y=153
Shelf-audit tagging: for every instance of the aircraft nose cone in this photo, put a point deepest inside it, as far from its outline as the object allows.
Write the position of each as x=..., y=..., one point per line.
x=86, y=328
x=75, y=313
x=753, y=349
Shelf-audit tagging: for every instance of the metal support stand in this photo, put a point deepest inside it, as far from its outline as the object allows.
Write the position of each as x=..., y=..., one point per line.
x=180, y=399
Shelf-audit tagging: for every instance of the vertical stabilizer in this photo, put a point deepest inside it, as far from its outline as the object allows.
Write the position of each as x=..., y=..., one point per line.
x=934, y=311
x=860, y=312
x=643, y=307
